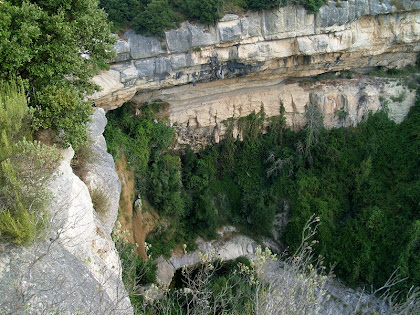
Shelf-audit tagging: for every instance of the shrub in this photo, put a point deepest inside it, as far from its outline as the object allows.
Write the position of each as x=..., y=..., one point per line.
x=257, y=5
x=156, y=17
x=45, y=43
x=205, y=11
x=25, y=166
x=313, y=5
x=400, y=97
x=234, y=6
x=100, y=200
x=63, y=110
x=82, y=157
x=122, y=12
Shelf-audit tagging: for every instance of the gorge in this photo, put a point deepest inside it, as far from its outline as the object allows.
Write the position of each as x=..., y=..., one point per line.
x=188, y=86
x=285, y=58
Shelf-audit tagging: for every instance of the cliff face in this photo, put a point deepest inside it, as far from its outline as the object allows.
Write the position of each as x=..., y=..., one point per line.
x=83, y=230
x=198, y=114
x=76, y=269
x=210, y=73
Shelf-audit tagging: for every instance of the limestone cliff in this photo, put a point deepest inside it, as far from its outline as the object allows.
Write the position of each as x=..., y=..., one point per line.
x=210, y=73
x=76, y=269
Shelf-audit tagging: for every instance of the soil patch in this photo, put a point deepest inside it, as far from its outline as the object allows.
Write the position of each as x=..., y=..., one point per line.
x=138, y=222
x=145, y=220
x=126, y=175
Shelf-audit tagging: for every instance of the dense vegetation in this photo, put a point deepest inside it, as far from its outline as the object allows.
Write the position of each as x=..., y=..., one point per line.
x=363, y=182
x=154, y=16
x=146, y=140
x=49, y=50
x=55, y=47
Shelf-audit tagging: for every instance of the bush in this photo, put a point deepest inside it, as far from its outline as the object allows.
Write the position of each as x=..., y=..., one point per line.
x=81, y=160
x=45, y=43
x=122, y=12
x=25, y=166
x=63, y=110
x=156, y=17
x=313, y=5
x=205, y=11
x=234, y=6
x=100, y=200
x=20, y=226
x=257, y=5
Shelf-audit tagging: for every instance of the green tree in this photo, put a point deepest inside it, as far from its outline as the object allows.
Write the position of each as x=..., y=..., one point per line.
x=54, y=46
x=156, y=17
x=122, y=13
x=257, y=5
x=165, y=185
x=205, y=11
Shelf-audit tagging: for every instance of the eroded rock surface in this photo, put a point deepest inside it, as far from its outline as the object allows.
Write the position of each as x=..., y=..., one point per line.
x=264, y=45
x=210, y=73
x=199, y=114
x=236, y=246
x=76, y=269
x=101, y=175
x=47, y=279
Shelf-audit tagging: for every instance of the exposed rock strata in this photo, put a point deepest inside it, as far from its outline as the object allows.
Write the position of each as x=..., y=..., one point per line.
x=268, y=45
x=210, y=73
x=198, y=113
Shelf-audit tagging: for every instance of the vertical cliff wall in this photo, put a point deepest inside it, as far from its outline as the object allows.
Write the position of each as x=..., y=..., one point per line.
x=76, y=269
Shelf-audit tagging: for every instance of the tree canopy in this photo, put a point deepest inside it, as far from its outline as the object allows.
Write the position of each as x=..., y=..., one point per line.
x=55, y=47
x=154, y=16
x=362, y=182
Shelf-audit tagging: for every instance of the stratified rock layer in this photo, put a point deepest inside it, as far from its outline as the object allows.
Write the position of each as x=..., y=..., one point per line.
x=199, y=114
x=210, y=73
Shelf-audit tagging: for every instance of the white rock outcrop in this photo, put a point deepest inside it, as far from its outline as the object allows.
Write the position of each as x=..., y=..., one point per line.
x=101, y=175
x=234, y=247
x=199, y=114
x=76, y=268
x=80, y=229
